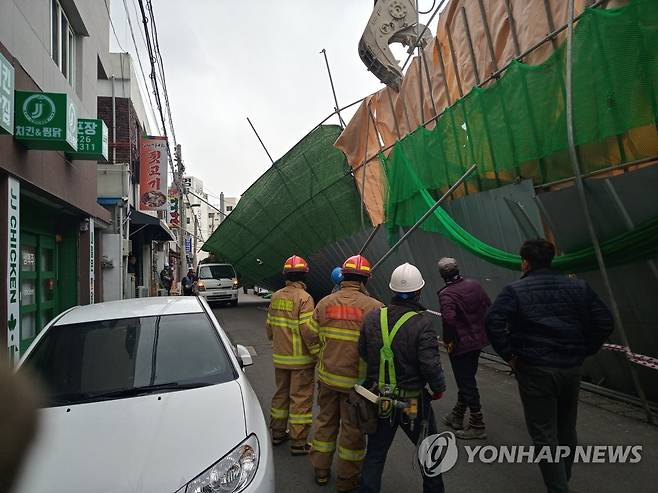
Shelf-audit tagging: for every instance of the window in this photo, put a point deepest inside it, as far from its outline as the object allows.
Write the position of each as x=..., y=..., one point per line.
x=62, y=41
x=224, y=271
x=229, y=208
x=72, y=361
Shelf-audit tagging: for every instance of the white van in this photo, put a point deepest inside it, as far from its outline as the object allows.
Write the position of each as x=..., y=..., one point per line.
x=218, y=282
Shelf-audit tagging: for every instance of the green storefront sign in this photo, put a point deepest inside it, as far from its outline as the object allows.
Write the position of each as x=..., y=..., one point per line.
x=92, y=140
x=46, y=121
x=6, y=96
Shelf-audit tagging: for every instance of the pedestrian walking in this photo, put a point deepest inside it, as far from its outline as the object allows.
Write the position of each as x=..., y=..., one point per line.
x=544, y=326
x=464, y=305
x=401, y=350
x=166, y=278
x=189, y=283
x=338, y=318
x=295, y=346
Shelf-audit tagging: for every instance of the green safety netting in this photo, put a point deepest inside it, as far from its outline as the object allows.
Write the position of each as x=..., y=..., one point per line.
x=304, y=202
x=517, y=125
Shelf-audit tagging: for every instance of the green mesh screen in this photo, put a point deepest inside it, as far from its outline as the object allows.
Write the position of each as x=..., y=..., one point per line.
x=517, y=126
x=305, y=201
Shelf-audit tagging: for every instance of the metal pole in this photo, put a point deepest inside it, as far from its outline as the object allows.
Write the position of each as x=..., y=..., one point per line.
x=470, y=46
x=425, y=216
x=182, y=230
x=395, y=118
x=370, y=238
x=365, y=160
x=260, y=140
x=586, y=212
x=333, y=89
x=423, y=60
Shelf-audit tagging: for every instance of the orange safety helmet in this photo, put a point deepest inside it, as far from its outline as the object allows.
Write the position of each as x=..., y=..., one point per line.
x=295, y=264
x=358, y=265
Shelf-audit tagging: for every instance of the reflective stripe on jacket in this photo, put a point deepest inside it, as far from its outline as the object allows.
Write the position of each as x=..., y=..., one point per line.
x=289, y=327
x=338, y=319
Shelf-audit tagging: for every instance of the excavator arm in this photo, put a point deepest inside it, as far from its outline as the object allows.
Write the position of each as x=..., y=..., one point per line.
x=392, y=21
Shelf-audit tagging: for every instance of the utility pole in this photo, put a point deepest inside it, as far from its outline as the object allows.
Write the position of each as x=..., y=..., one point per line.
x=182, y=230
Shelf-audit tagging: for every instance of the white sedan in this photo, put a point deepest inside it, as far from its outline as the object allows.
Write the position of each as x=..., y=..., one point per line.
x=145, y=395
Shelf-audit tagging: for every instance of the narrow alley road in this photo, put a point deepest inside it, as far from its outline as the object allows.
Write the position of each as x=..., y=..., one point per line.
x=601, y=422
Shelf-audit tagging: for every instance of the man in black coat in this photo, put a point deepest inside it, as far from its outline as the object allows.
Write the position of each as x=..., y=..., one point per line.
x=545, y=325
x=400, y=368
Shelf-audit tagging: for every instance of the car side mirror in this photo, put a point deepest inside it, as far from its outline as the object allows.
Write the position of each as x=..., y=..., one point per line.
x=244, y=356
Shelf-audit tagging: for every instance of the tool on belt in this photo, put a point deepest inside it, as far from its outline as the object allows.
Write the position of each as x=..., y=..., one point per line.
x=385, y=404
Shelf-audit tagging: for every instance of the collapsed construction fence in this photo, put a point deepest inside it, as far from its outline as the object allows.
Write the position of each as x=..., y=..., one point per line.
x=306, y=200
x=513, y=126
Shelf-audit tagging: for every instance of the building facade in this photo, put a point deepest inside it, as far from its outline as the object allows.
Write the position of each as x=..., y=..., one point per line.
x=51, y=52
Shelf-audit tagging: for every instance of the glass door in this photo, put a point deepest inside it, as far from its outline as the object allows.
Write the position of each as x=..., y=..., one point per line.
x=38, y=281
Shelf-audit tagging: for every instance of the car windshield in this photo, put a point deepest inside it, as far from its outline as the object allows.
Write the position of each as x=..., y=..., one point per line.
x=216, y=272
x=111, y=359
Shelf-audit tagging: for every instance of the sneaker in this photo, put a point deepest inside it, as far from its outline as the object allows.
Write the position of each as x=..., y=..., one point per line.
x=296, y=450
x=472, y=434
x=278, y=440
x=321, y=477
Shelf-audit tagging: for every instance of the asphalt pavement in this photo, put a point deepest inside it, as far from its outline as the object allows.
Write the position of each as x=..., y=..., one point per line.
x=601, y=421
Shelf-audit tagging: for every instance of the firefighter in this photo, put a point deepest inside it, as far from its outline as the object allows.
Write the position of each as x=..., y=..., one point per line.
x=401, y=351
x=338, y=319
x=294, y=352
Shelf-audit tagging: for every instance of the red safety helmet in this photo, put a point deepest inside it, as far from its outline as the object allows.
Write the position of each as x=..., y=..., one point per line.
x=358, y=265
x=295, y=264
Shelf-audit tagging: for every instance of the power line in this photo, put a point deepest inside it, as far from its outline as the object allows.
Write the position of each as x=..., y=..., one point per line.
x=112, y=24
x=156, y=92
x=139, y=60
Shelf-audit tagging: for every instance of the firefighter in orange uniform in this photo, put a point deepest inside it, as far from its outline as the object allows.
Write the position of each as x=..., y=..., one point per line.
x=295, y=346
x=338, y=319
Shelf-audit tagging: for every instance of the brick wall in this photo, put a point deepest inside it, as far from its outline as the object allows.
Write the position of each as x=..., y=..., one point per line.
x=128, y=131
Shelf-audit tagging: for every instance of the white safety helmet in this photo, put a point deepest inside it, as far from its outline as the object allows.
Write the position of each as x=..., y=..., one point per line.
x=406, y=278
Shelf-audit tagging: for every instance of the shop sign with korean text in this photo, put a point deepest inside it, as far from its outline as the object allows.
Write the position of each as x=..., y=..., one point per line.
x=174, y=217
x=13, y=268
x=46, y=121
x=153, y=174
x=92, y=261
x=92, y=140
x=6, y=96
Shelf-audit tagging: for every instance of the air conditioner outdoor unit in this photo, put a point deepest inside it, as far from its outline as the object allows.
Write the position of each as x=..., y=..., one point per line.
x=142, y=292
x=162, y=292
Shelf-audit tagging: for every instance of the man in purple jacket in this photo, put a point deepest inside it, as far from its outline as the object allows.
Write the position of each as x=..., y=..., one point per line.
x=464, y=306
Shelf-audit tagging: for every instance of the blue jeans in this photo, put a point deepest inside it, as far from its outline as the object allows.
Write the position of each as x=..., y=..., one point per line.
x=379, y=443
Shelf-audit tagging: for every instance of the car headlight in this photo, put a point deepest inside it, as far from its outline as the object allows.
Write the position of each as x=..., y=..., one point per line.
x=232, y=473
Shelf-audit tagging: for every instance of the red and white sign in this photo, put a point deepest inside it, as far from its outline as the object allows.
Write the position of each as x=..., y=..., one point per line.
x=153, y=174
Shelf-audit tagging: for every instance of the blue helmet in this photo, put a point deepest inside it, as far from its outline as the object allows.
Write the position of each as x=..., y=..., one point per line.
x=337, y=275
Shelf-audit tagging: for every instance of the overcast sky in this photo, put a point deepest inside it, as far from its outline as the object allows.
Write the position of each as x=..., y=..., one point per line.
x=226, y=60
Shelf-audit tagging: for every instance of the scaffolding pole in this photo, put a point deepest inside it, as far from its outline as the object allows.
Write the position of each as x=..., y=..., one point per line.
x=425, y=216
x=580, y=188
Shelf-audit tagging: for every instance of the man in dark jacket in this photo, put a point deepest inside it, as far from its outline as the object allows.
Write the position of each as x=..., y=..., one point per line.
x=402, y=355
x=544, y=326
x=464, y=305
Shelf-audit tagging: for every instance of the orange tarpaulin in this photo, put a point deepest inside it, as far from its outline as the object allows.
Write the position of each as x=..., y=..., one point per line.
x=453, y=71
